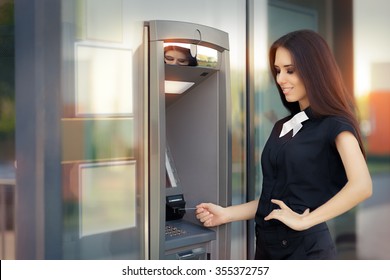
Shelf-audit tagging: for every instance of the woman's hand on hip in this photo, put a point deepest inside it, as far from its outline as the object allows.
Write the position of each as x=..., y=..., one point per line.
x=287, y=216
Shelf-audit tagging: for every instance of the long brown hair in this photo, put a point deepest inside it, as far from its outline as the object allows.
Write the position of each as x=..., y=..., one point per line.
x=318, y=70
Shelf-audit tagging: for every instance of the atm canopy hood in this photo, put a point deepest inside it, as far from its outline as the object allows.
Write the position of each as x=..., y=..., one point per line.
x=183, y=32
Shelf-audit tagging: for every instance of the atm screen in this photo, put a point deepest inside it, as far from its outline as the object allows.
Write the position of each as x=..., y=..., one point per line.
x=189, y=54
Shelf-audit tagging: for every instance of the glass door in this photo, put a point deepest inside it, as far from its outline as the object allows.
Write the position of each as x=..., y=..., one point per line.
x=102, y=126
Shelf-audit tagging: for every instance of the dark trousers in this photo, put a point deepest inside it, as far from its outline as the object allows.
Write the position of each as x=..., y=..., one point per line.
x=283, y=243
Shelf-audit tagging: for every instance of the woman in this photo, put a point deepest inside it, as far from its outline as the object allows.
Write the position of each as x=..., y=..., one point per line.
x=314, y=166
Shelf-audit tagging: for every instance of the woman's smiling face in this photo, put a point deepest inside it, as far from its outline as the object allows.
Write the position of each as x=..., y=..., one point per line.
x=288, y=79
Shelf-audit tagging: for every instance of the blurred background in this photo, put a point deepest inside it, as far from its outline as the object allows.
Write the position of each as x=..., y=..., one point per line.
x=357, y=31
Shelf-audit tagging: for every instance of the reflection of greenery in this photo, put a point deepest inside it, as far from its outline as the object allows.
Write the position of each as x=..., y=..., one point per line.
x=7, y=112
x=109, y=139
x=7, y=13
x=7, y=94
x=206, y=61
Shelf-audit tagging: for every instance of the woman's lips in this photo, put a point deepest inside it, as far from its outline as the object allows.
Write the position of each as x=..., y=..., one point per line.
x=286, y=90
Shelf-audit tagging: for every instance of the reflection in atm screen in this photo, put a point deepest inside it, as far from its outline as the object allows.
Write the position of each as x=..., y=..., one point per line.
x=190, y=55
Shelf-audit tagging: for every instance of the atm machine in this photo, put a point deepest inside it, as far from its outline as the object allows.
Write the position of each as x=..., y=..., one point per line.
x=190, y=142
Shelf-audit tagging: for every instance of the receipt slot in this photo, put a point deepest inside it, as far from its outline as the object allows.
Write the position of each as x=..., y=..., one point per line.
x=189, y=134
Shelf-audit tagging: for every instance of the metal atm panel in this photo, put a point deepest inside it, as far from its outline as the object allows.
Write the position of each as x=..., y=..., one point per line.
x=190, y=159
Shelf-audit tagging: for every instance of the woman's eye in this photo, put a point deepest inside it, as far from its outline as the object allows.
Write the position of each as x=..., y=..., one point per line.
x=169, y=58
x=290, y=70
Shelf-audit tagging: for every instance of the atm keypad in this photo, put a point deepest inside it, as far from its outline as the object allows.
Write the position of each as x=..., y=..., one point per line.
x=173, y=231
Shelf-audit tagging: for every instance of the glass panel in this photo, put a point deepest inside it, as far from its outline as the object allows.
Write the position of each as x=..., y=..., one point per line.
x=103, y=81
x=93, y=139
x=107, y=194
x=103, y=165
x=7, y=130
x=103, y=21
x=7, y=90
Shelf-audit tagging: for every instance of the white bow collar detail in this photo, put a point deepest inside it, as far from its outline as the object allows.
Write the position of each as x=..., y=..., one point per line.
x=294, y=124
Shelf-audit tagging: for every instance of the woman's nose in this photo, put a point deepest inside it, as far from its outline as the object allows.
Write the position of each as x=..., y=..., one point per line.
x=280, y=79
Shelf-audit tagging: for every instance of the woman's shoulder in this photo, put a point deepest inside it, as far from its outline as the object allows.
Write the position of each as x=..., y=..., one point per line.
x=337, y=124
x=336, y=121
